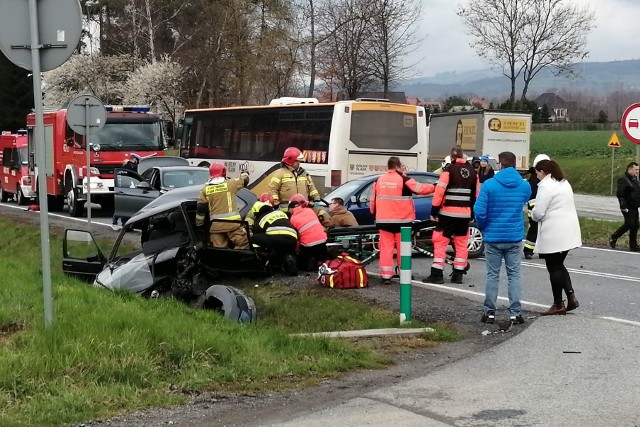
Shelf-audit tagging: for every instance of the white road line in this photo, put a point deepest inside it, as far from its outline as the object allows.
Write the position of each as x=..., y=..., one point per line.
x=588, y=272
x=609, y=250
x=617, y=319
x=57, y=215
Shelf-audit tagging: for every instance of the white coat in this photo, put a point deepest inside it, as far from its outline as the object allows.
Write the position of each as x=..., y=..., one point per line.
x=555, y=212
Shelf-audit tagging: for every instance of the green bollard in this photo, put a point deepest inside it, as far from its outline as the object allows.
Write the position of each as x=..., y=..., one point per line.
x=405, y=274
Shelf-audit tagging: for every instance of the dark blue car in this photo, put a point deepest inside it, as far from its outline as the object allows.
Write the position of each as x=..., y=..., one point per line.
x=357, y=193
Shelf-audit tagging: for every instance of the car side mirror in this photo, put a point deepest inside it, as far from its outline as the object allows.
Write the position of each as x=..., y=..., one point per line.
x=144, y=185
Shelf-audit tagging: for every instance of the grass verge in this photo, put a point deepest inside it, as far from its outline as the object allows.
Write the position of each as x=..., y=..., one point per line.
x=109, y=353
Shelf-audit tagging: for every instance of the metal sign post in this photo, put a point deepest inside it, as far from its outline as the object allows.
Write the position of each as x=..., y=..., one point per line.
x=40, y=36
x=86, y=112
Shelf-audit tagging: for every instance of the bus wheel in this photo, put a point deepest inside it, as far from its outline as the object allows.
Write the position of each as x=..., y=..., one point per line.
x=4, y=196
x=20, y=197
x=204, y=165
x=76, y=208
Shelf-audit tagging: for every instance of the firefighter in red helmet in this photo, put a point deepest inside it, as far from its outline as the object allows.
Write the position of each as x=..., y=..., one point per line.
x=392, y=205
x=291, y=179
x=452, y=206
x=218, y=199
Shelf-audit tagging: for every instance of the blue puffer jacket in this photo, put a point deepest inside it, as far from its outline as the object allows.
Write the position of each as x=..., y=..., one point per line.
x=498, y=209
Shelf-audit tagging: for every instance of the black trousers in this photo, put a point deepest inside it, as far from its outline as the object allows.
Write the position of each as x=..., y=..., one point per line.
x=276, y=246
x=558, y=275
x=532, y=236
x=631, y=225
x=310, y=256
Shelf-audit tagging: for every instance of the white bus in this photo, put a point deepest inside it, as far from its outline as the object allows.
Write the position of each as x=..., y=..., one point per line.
x=340, y=140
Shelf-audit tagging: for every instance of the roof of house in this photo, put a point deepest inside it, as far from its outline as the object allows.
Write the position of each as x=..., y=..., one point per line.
x=552, y=100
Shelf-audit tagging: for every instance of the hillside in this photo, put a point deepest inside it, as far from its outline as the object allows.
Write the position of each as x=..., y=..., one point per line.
x=597, y=78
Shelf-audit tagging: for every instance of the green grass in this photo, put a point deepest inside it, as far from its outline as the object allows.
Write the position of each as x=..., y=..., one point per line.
x=109, y=353
x=579, y=144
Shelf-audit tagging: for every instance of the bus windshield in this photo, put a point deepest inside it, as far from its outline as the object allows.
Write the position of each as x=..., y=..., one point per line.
x=376, y=129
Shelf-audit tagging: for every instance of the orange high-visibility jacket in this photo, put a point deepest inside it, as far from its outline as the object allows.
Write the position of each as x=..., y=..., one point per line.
x=306, y=222
x=456, y=191
x=392, y=201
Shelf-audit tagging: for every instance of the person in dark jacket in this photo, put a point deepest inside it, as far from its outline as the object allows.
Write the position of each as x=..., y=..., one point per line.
x=628, y=193
x=498, y=214
x=485, y=171
x=532, y=232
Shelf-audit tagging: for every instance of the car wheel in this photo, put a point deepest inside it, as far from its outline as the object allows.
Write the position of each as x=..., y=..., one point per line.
x=476, y=242
x=20, y=199
x=4, y=196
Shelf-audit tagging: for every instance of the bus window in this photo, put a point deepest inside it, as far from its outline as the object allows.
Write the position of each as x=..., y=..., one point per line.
x=383, y=130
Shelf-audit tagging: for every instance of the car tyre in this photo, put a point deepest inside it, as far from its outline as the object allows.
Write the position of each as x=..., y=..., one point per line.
x=76, y=208
x=476, y=242
x=20, y=199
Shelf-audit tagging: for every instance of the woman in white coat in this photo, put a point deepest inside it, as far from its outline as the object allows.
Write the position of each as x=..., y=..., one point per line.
x=558, y=232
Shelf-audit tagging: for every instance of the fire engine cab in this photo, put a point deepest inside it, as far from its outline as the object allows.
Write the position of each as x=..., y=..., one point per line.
x=128, y=130
x=15, y=180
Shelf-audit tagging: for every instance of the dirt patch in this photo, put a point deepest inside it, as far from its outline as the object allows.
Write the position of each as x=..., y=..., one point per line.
x=7, y=329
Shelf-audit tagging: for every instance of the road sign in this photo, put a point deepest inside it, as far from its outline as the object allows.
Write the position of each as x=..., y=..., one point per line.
x=59, y=27
x=614, y=142
x=631, y=123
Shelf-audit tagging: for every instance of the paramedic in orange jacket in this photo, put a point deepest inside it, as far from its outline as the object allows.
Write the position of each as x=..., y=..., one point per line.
x=312, y=238
x=392, y=205
x=452, y=205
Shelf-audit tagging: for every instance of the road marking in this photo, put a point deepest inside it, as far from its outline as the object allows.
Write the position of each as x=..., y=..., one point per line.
x=588, y=272
x=609, y=250
x=617, y=319
x=56, y=215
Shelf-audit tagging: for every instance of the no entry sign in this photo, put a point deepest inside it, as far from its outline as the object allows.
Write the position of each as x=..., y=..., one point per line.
x=631, y=123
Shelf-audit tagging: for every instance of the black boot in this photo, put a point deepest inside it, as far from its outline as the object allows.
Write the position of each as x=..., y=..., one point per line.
x=435, y=277
x=456, y=276
x=612, y=242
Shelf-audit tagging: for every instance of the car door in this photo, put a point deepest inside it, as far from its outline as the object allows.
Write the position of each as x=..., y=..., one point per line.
x=132, y=193
x=81, y=256
x=361, y=205
x=423, y=203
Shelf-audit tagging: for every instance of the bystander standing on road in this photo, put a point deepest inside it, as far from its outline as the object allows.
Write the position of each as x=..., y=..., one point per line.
x=558, y=232
x=498, y=214
x=628, y=193
x=485, y=171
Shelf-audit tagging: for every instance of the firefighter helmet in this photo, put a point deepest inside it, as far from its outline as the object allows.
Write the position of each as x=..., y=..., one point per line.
x=217, y=170
x=446, y=162
x=266, y=197
x=298, y=199
x=292, y=155
x=540, y=157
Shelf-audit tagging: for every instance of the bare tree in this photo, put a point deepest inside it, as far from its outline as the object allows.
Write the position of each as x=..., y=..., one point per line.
x=554, y=38
x=497, y=29
x=392, y=35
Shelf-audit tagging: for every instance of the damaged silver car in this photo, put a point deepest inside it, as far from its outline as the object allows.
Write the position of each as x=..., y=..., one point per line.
x=160, y=253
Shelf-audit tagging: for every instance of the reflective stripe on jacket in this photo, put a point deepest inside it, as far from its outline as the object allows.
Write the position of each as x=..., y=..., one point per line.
x=456, y=190
x=392, y=201
x=220, y=199
x=276, y=223
x=285, y=182
x=310, y=231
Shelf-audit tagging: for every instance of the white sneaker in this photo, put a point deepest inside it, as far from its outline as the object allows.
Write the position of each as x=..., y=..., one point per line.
x=116, y=227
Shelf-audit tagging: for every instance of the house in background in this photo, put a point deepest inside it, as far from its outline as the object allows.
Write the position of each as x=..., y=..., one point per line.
x=558, y=107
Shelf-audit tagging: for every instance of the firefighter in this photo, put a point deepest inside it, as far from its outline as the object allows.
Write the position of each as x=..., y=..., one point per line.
x=532, y=232
x=132, y=162
x=291, y=179
x=392, y=205
x=274, y=232
x=452, y=205
x=218, y=198
x=311, y=234
x=265, y=198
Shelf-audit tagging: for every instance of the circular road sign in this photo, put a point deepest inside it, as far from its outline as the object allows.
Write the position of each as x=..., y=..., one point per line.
x=631, y=123
x=86, y=111
x=59, y=30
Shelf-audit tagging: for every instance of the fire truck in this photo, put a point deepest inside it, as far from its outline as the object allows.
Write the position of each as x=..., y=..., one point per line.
x=128, y=130
x=15, y=180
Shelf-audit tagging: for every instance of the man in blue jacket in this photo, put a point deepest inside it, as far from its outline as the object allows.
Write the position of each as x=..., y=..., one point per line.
x=499, y=215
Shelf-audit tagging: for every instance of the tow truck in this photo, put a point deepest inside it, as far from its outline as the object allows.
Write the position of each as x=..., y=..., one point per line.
x=128, y=129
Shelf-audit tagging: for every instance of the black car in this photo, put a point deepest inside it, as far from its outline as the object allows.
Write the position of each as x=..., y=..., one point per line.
x=170, y=258
x=155, y=176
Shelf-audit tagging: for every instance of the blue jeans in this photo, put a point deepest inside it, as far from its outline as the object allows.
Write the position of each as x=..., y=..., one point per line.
x=494, y=254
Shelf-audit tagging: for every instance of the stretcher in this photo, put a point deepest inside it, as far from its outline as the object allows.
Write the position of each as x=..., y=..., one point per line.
x=361, y=242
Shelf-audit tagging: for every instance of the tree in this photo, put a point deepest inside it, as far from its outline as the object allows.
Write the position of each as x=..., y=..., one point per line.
x=523, y=37
x=602, y=117
x=545, y=116
x=454, y=101
x=554, y=38
x=392, y=35
x=16, y=95
x=497, y=28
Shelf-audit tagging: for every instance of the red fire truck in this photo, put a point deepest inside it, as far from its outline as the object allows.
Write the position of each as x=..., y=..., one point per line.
x=15, y=180
x=128, y=129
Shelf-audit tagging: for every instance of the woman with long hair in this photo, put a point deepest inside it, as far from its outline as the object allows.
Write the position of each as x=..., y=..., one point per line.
x=558, y=232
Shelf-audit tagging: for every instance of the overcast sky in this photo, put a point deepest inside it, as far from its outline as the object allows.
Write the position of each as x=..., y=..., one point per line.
x=446, y=46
